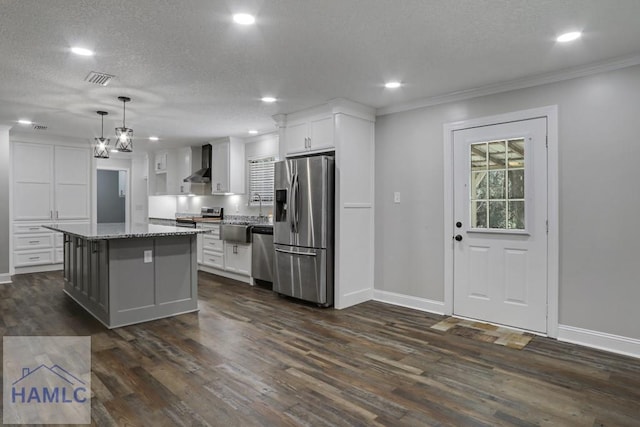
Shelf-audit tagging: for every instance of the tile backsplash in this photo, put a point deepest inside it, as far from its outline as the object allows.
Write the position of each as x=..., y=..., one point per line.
x=233, y=205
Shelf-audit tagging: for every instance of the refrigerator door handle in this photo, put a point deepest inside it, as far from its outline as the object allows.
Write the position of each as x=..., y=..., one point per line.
x=292, y=204
x=297, y=212
x=295, y=195
x=296, y=253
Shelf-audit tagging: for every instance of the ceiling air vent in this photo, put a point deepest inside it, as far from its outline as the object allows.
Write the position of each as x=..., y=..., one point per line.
x=101, y=79
x=40, y=127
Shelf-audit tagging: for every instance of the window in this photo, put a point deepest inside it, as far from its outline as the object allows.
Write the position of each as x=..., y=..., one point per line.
x=497, y=185
x=261, y=172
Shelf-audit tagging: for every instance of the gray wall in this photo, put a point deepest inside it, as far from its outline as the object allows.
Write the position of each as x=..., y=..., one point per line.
x=5, y=225
x=111, y=207
x=599, y=181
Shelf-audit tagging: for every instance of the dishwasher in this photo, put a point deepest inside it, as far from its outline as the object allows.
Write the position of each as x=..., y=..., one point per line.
x=262, y=253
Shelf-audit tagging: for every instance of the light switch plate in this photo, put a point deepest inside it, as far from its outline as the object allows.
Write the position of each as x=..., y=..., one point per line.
x=396, y=197
x=148, y=257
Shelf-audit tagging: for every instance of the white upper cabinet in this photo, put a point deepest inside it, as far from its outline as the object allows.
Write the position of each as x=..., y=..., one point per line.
x=227, y=166
x=71, y=171
x=170, y=169
x=184, y=169
x=32, y=182
x=50, y=182
x=309, y=134
x=161, y=161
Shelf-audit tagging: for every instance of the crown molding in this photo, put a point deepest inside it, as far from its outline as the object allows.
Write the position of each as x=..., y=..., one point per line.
x=538, y=80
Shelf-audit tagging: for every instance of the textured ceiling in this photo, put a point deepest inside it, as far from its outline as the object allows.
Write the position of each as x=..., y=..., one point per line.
x=194, y=75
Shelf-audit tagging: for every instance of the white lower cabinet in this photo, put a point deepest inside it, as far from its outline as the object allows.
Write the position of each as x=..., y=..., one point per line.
x=238, y=258
x=224, y=257
x=211, y=250
x=34, y=245
x=33, y=257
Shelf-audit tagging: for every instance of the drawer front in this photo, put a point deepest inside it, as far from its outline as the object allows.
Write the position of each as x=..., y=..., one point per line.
x=23, y=259
x=213, y=259
x=211, y=244
x=32, y=241
x=32, y=228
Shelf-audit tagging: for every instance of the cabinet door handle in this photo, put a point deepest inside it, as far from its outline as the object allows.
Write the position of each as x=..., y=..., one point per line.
x=56, y=214
x=51, y=214
x=33, y=242
x=34, y=258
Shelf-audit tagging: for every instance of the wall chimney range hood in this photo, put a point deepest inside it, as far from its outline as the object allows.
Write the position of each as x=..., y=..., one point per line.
x=202, y=175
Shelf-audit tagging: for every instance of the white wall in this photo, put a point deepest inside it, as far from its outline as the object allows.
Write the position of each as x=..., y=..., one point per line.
x=599, y=196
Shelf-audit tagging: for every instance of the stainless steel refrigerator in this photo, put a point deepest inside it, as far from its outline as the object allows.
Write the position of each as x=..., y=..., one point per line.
x=303, y=228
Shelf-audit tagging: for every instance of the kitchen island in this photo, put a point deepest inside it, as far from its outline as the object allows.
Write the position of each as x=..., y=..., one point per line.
x=124, y=274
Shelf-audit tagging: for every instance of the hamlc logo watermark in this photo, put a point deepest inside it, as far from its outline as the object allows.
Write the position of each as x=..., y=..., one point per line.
x=47, y=380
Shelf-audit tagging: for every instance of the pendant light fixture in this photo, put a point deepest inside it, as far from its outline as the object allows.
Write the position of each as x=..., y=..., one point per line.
x=101, y=147
x=124, y=135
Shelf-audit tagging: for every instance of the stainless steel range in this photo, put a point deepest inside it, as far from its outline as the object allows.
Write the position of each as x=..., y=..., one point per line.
x=206, y=215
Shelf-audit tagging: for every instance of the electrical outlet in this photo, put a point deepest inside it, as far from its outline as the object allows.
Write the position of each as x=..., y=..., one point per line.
x=148, y=257
x=396, y=197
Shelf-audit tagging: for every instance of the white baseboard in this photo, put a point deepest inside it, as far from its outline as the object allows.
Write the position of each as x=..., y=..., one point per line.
x=417, y=303
x=5, y=278
x=38, y=268
x=352, y=298
x=227, y=274
x=600, y=340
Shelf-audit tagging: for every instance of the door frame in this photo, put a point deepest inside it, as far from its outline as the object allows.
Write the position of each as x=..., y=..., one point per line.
x=551, y=114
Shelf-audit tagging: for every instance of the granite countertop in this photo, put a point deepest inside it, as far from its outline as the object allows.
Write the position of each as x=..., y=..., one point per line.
x=104, y=231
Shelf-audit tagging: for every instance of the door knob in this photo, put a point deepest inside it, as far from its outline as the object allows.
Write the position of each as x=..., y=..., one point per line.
x=458, y=237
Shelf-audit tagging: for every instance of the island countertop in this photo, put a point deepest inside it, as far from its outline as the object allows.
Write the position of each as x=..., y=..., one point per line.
x=108, y=231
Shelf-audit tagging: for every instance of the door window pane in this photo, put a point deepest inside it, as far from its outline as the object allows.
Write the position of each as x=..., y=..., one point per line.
x=496, y=184
x=516, y=184
x=516, y=153
x=479, y=214
x=516, y=215
x=497, y=214
x=497, y=187
x=478, y=185
x=496, y=150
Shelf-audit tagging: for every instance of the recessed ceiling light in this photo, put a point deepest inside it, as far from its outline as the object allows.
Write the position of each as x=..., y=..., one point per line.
x=392, y=85
x=113, y=150
x=153, y=138
x=25, y=122
x=82, y=51
x=268, y=99
x=244, y=19
x=253, y=132
x=569, y=37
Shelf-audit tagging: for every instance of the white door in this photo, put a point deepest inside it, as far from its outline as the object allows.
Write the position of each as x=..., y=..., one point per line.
x=500, y=224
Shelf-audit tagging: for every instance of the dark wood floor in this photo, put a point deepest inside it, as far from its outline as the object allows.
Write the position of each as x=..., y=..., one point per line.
x=250, y=358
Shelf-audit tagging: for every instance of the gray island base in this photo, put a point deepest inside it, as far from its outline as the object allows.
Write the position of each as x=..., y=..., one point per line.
x=126, y=274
